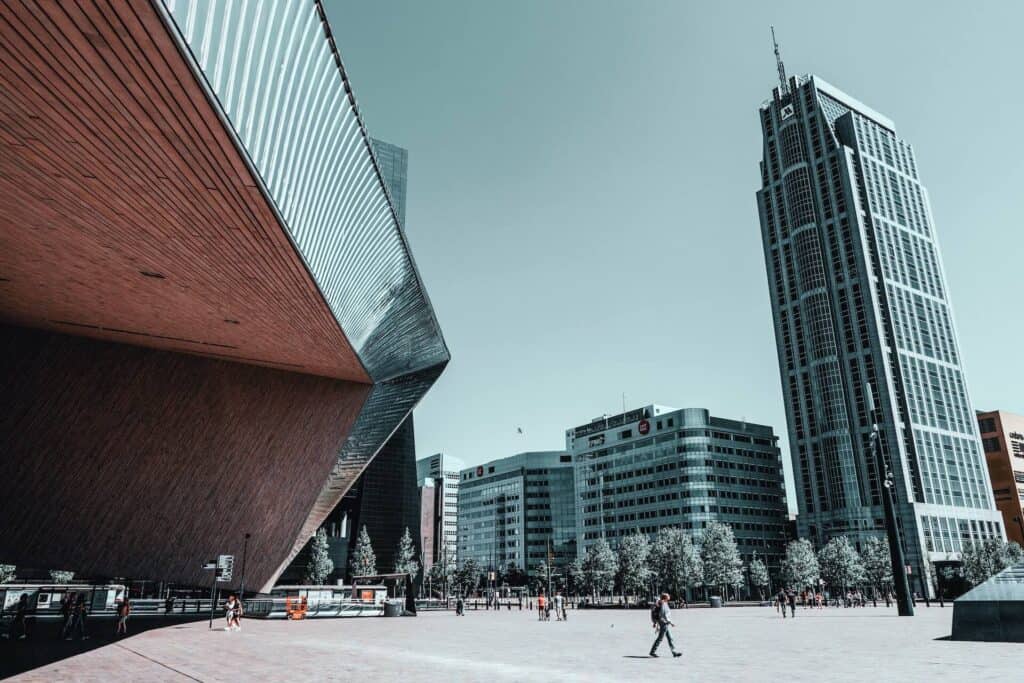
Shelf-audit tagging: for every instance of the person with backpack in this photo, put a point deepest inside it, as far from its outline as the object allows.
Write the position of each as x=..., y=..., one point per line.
x=661, y=619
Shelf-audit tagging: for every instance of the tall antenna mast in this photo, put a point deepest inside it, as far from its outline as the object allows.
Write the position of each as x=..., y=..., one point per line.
x=783, y=88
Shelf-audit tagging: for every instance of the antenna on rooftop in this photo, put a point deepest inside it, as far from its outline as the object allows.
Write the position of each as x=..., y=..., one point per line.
x=783, y=88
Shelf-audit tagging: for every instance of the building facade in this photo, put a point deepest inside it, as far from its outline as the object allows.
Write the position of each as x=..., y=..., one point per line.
x=657, y=467
x=444, y=471
x=385, y=497
x=518, y=511
x=1002, y=438
x=213, y=317
x=860, y=300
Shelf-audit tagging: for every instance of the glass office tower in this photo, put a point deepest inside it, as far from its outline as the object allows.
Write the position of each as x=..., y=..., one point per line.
x=859, y=299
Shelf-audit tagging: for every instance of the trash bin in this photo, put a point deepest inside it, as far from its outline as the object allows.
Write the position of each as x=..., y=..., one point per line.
x=716, y=601
x=393, y=609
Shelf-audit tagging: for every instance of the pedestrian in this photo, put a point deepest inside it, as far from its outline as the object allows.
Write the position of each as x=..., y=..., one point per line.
x=541, y=607
x=792, y=604
x=661, y=619
x=67, y=613
x=123, y=611
x=559, y=605
x=233, y=613
x=460, y=607
x=18, y=629
x=79, y=614
x=780, y=602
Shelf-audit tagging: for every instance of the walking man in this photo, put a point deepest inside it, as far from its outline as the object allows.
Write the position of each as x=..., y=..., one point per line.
x=661, y=619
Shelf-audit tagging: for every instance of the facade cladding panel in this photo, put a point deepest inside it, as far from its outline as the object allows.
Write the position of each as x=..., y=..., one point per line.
x=272, y=204
x=860, y=299
x=518, y=511
x=655, y=467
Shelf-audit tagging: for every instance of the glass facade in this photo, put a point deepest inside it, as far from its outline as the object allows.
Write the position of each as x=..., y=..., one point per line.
x=859, y=299
x=518, y=510
x=655, y=467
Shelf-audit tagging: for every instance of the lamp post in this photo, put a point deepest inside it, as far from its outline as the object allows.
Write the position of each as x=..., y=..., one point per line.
x=245, y=552
x=904, y=605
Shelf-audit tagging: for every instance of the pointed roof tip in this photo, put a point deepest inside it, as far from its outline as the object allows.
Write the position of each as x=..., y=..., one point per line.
x=783, y=88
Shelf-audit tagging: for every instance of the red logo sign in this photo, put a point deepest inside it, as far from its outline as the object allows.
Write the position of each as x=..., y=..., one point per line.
x=480, y=471
x=643, y=427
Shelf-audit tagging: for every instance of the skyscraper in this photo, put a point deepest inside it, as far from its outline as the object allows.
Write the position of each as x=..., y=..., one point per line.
x=859, y=299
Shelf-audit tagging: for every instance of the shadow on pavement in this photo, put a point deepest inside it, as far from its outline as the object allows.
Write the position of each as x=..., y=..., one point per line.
x=44, y=645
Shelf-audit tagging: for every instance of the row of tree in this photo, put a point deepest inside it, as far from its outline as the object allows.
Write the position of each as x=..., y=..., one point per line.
x=364, y=560
x=673, y=561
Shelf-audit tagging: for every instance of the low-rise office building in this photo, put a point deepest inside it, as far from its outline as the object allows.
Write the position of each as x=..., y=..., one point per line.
x=1002, y=436
x=518, y=511
x=656, y=467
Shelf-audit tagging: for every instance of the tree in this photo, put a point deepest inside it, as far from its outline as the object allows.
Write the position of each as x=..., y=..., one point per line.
x=405, y=556
x=720, y=556
x=599, y=567
x=442, y=572
x=800, y=568
x=758, y=574
x=364, y=562
x=984, y=559
x=540, y=577
x=1013, y=553
x=839, y=563
x=58, y=576
x=320, y=564
x=515, y=576
x=877, y=562
x=675, y=560
x=634, y=574
x=467, y=578
x=574, y=576
x=7, y=572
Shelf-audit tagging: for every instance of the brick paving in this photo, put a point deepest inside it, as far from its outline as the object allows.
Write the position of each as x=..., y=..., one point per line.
x=736, y=644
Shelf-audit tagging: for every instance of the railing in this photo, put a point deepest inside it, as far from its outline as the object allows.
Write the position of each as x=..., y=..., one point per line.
x=284, y=608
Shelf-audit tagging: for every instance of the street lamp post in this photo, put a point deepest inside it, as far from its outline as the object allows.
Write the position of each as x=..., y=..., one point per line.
x=904, y=605
x=245, y=552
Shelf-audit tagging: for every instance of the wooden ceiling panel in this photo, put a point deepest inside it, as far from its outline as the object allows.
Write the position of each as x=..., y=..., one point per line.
x=127, y=212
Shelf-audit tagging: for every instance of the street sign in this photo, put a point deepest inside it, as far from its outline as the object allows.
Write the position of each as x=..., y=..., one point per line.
x=225, y=567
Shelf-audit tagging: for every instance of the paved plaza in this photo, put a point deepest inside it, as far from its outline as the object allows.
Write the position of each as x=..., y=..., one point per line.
x=737, y=644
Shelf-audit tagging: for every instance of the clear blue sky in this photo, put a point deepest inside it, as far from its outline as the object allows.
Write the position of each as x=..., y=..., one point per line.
x=581, y=192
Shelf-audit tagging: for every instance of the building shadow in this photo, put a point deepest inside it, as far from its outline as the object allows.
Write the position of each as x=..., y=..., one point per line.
x=44, y=645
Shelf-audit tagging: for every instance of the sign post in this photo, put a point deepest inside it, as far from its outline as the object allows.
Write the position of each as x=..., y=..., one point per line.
x=223, y=568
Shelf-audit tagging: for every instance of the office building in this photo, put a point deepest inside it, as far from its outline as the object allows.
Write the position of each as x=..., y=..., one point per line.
x=860, y=299
x=444, y=471
x=656, y=467
x=211, y=320
x=518, y=511
x=1002, y=439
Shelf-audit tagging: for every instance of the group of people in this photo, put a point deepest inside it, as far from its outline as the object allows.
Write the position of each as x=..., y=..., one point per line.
x=811, y=599
x=233, y=613
x=556, y=604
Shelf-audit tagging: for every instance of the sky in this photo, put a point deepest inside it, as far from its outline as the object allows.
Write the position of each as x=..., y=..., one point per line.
x=581, y=192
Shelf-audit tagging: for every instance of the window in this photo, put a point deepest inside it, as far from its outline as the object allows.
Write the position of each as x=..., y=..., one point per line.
x=988, y=425
x=626, y=433
x=991, y=444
